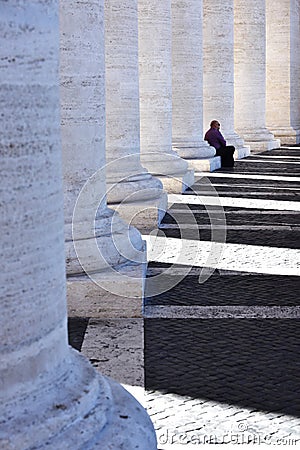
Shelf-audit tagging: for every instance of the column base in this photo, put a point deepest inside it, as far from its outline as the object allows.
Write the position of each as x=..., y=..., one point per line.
x=139, y=200
x=259, y=140
x=287, y=135
x=177, y=184
x=242, y=152
x=199, y=155
x=170, y=169
x=234, y=139
x=96, y=245
x=205, y=164
x=78, y=409
x=114, y=293
x=263, y=146
x=194, y=150
x=131, y=427
x=146, y=215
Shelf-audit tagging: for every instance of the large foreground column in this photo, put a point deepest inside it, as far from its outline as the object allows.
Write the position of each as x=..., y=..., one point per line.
x=132, y=190
x=155, y=63
x=51, y=397
x=283, y=70
x=218, y=78
x=187, y=86
x=250, y=75
x=94, y=288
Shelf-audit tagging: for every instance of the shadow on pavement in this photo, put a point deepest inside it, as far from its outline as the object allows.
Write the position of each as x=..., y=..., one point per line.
x=76, y=331
x=254, y=363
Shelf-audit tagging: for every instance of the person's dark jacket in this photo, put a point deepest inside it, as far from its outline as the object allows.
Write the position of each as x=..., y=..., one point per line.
x=215, y=138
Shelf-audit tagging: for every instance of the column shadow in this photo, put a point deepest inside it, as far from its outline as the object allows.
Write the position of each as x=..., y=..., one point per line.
x=76, y=331
x=253, y=363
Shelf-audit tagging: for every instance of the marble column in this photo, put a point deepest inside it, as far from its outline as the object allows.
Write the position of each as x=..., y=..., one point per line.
x=105, y=257
x=218, y=70
x=51, y=397
x=283, y=70
x=155, y=70
x=250, y=75
x=131, y=189
x=187, y=86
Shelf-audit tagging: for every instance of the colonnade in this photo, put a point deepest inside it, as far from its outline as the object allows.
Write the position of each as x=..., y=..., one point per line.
x=104, y=106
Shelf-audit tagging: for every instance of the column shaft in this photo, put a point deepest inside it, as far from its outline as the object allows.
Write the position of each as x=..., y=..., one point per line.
x=132, y=191
x=155, y=64
x=97, y=240
x=283, y=70
x=32, y=275
x=250, y=74
x=187, y=86
x=218, y=61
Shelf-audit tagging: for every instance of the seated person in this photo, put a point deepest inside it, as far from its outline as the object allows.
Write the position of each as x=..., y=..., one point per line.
x=215, y=138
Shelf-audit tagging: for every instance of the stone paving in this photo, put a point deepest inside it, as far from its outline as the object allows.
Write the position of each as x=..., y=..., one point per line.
x=206, y=377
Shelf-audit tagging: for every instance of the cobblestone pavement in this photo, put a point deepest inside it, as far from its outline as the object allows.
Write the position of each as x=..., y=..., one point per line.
x=220, y=378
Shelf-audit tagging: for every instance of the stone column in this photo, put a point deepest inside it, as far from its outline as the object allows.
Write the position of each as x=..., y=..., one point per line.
x=132, y=190
x=97, y=240
x=155, y=64
x=218, y=71
x=187, y=86
x=250, y=75
x=283, y=70
x=51, y=397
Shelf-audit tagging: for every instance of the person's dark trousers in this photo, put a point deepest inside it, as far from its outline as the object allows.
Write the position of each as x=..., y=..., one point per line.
x=226, y=154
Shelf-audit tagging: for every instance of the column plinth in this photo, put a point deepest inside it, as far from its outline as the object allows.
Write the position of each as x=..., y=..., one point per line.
x=259, y=140
x=173, y=171
x=286, y=135
x=193, y=149
x=200, y=156
x=138, y=199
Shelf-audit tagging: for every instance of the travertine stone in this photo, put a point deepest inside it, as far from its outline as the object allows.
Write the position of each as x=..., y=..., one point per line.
x=51, y=397
x=250, y=75
x=218, y=68
x=242, y=152
x=283, y=70
x=115, y=294
x=187, y=83
x=131, y=189
x=204, y=164
x=97, y=240
x=118, y=345
x=155, y=76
